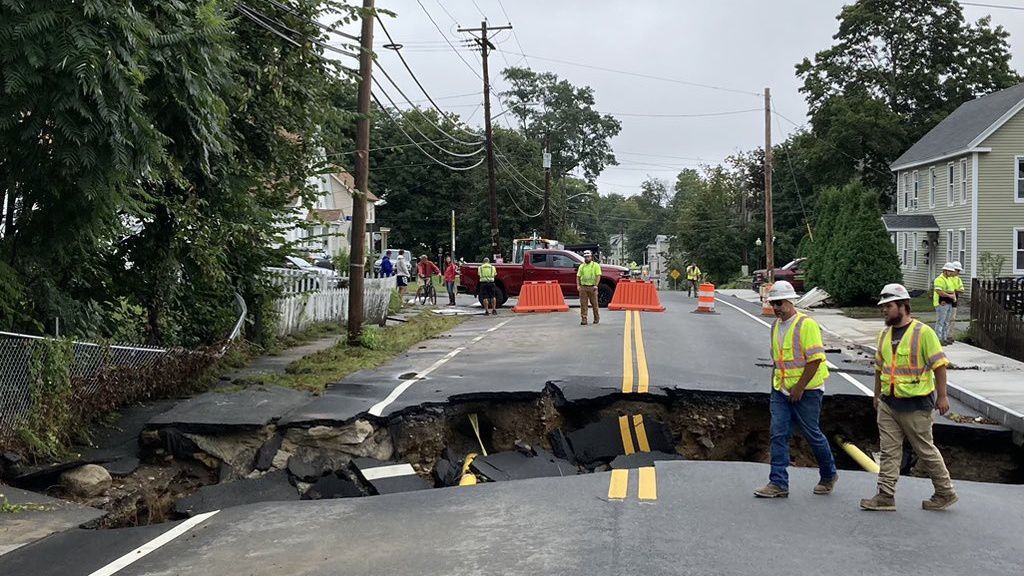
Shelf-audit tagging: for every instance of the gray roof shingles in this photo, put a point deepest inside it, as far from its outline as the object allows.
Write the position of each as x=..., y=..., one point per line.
x=958, y=129
x=919, y=222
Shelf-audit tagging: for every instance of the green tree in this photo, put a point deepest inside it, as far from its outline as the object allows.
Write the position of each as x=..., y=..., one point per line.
x=852, y=258
x=708, y=218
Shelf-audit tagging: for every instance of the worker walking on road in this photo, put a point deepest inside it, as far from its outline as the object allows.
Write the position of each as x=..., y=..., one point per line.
x=798, y=382
x=488, y=291
x=959, y=291
x=910, y=367
x=944, y=298
x=587, y=277
x=692, y=278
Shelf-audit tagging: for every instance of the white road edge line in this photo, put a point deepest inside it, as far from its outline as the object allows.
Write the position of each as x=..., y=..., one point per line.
x=844, y=375
x=129, y=558
x=378, y=408
x=390, y=471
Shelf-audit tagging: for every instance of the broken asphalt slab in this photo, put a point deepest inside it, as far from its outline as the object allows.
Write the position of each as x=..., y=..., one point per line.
x=272, y=487
x=389, y=477
x=332, y=486
x=642, y=459
x=514, y=465
x=612, y=436
x=34, y=516
x=246, y=409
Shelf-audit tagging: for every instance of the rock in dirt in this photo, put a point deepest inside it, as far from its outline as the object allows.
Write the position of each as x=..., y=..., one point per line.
x=273, y=487
x=332, y=486
x=86, y=481
x=309, y=470
x=338, y=445
x=265, y=455
x=236, y=449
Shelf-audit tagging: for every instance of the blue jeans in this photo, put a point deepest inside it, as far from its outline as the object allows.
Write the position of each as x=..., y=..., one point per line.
x=804, y=415
x=943, y=315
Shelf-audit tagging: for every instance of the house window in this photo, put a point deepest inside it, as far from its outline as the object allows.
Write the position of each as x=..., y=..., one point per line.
x=1019, y=180
x=950, y=176
x=915, y=250
x=906, y=190
x=931, y=187
x=949, y=245
x=892, y=238
x=903, y=252
x=964, y=181
x=917, y=187
x=1018, y=250
x=962, y=246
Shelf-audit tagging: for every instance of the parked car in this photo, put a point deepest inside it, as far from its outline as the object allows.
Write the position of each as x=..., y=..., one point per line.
x=794, y=273
x=543, y=265
x=315, y=274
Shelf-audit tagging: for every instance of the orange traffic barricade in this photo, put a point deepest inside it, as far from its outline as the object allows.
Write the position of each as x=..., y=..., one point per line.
x=636, y=295
x=766, y=306
x=541, y=297
x=706, y=298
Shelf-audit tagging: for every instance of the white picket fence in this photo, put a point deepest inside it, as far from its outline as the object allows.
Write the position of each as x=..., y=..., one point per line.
x=297, y=311
x=293, y=281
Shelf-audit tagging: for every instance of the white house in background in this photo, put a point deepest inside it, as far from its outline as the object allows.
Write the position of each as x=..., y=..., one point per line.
x=617, y=250
x=326, y=227
x=657, y=258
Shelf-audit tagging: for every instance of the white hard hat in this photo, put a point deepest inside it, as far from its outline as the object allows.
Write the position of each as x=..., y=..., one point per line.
x=782, y=290
x=588, y=253
x=894, y=292
x=959, y=267
x=949, y=266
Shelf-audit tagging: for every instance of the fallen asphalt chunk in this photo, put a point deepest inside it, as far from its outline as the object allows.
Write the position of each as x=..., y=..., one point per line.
x=272, y=487
x=332, y=486
x=515, y=465
x=613, y=436
x=389, y=477
x=264, y=458
x=216, y=412
x=643, y=459
x=308, y=471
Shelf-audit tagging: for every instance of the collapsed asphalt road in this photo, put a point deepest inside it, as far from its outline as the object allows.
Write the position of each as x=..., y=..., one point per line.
x=527, y=379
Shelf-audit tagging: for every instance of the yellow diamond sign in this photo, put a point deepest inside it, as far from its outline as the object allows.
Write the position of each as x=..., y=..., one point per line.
x=675, y=274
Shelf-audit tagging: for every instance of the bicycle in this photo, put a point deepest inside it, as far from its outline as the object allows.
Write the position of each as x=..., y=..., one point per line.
x=426, y=291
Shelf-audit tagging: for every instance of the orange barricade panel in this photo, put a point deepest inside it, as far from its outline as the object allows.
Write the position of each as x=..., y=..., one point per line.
x=541, y=297
x=636, y=295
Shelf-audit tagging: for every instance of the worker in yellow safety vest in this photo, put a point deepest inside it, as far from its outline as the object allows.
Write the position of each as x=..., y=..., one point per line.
x=958, y=289
x=798, y=381
x=588, y=276
x=488, y=290
x=692, y=278
x=943, y=299
x=910, y=368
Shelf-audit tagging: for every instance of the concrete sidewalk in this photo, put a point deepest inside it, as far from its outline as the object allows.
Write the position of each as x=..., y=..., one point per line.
x=987, y=382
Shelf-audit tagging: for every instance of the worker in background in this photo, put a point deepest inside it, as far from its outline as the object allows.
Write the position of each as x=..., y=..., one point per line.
x=959, y=291
x=634, y=269
x=386, y=267
x=402, y=271
x=692, y=278
x=798, y=382
x=488, y=291
x=450, y=272
x=944, y=296
x=910, y=368
x=587, y=277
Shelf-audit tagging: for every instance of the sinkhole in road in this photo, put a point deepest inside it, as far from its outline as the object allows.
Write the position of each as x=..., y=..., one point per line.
x=525, y=435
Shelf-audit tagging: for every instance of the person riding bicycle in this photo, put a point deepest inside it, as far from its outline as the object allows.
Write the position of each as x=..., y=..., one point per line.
x=425, y=270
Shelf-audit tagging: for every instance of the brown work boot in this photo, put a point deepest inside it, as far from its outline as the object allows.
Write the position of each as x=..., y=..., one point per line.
x=583, y=322
x=771, y=491
x=939, y=501
x=824, y=488
x=879, y=503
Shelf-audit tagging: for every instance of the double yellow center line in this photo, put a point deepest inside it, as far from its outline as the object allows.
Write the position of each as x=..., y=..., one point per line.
x=634, y=331
x=647, y=480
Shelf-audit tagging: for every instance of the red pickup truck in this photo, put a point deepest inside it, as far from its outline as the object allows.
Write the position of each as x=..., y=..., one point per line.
x=540, y=266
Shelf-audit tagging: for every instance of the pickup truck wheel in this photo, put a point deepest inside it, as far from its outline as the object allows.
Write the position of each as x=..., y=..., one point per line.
x=604, y=295
x=501, y=297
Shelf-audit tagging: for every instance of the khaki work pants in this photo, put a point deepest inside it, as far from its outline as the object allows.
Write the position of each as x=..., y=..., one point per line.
x=916, y=427
x=588, y=295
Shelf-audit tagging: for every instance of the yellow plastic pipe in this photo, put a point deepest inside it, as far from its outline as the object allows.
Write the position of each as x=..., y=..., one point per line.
x=468, y=478
x=865, y=461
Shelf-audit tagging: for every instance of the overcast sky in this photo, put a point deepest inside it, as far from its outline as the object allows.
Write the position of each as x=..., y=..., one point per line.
x=742, y=45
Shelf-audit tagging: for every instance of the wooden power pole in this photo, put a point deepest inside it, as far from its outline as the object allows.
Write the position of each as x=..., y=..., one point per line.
x=357, y=256
x=492, y=183
x=547, y=186
x=769, y=224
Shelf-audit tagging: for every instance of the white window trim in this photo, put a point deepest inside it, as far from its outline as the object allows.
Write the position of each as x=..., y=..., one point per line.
x=903, y=248
x=950, y=189
x=949, y=245
x=916, y=190
x=961, y=240
x=974, y=215
x=931, y=187
x=914, y=261
x=1018, y=191
x=963, y=182
x=1013, y=252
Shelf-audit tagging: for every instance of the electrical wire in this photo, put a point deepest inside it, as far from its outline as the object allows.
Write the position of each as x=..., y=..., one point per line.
x=514, y=35
x=443, y=35
x=420, y=148
x=796, y=186
x=315, y=41
x=833, y=146
x=332, y=29
x=420, y=112
x=1003, y=6
x=420, y=132
x=703, y=115
x=526, y=185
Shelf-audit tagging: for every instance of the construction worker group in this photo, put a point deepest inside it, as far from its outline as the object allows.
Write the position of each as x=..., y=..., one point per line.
x=910, y=384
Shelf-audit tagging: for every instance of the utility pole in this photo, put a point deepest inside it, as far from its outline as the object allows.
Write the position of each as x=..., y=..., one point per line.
x=492, y=184
x=769, y=224
x=547, y=186
x=357, y=256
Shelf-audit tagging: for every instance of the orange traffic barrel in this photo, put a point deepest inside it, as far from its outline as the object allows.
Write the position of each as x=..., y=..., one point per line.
x=766, y=306
x=541, y=297
x=706, y=298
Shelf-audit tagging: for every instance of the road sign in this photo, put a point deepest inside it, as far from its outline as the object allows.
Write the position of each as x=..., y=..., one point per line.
x=675, y=274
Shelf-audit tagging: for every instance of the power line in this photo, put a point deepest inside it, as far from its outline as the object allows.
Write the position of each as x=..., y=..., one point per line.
x=418, y=147
x=796, y=186
x=664, y=156
x=420, y=112
x=420, y=132
x=1003, y=6
x=443, y=35
x=641, y=75
x=514, y=35
x=252, y=12
x=331, y=29
x=703, y=115
x=833, y=146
